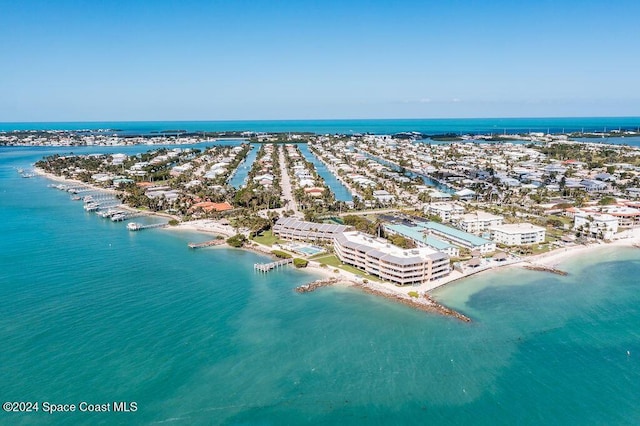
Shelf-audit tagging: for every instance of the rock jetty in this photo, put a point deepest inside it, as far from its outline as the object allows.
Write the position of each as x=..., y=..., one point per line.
x=424, y=303
x=306, y=288
x=542, y=268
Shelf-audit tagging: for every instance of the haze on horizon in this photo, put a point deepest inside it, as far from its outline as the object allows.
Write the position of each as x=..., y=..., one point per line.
x=234, y=60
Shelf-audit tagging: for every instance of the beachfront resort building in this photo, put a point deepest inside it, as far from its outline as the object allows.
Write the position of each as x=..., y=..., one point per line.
x=627, y=216
x=378, y=257
x=290, y=228
x=479, y=221
x=421, y=237
x=515, y=234
x=596, y=225
x=457, y=237
x=445, y=211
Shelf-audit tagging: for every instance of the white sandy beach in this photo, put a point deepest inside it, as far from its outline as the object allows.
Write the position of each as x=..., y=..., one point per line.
x=208, y=226
x=627, y=238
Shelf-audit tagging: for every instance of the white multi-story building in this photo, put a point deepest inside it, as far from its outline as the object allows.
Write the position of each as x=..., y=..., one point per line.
x=458, y=237
x=445, y=211
x=516, y=234
x=293, y=229
x=391, y=263
x=477, y=222
x=596, y=225
x=627, y=216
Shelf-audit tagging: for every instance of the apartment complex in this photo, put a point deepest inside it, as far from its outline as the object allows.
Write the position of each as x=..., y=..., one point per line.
x=458, y=237
x=380, y=258
x=293, y=229
x=479, y=221
x=422, y=238
x=596, y=225
x=516, y=234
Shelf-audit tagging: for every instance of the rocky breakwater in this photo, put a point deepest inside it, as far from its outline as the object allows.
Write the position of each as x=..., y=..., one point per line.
x=306, y=288
x=543, y=268
x=424, y=303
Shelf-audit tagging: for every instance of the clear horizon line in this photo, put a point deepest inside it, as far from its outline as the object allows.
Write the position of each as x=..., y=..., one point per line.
x=327, y=119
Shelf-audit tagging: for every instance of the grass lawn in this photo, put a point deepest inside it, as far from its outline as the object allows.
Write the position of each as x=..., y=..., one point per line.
x=565, y=220
x=541, y=248
x=267, y=238
x=333, y=262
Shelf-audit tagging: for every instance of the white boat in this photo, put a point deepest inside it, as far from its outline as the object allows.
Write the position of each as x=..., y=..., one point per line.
x=133, y=226
x=107, y=213
x=118, y=217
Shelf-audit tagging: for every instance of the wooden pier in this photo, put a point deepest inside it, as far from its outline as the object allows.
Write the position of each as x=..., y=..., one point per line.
x=266, y=267
x=209, y=243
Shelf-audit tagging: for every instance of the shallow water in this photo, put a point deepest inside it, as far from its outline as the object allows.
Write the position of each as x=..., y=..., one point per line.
x=92, y=312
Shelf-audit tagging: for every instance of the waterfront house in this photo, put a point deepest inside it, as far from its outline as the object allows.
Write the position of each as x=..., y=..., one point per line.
x=383, y=196
x=593, y=185
x=466, y=194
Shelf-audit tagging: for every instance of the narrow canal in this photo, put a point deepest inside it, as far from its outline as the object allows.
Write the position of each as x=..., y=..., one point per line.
x=239, y=178
x=339, y=190
x=429, y=181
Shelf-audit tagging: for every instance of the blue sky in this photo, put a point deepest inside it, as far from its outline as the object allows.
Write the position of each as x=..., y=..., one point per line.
x=224, y=60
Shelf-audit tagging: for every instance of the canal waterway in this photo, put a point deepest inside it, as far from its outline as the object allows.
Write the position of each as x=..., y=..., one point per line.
x=425, y=178
x=239, y=178
x=340, y=191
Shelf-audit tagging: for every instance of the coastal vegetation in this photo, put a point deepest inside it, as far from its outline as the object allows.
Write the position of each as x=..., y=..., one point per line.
x=281, y=254
x=300, y=263
x=237, y=240
x=266, y=238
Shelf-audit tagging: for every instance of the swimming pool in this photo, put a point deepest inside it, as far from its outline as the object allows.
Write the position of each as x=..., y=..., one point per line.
x=306, y=249
x=309, y=250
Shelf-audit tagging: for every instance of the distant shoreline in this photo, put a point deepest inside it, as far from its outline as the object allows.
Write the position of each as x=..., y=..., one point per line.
x=478, y=125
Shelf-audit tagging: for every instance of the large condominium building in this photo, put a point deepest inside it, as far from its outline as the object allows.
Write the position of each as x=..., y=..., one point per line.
x=477, y=222
x=422, y=238
x=627, y=216
x=293, y=229
x=380, y=258
x=458, y=237
x=445, y=211
x=516, y=234
x=596, y=225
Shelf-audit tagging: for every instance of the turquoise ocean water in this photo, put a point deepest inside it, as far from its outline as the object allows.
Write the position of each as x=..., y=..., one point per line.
x=91, y=312
x=429, y=126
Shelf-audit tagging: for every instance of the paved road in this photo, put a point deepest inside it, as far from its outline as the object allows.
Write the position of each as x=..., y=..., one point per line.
x=285, y=184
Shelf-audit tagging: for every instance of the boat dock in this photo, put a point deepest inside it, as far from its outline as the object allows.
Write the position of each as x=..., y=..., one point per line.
x=266, y=267
x=209, y=243
x=135, y=226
